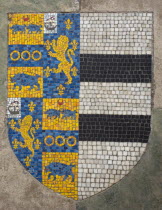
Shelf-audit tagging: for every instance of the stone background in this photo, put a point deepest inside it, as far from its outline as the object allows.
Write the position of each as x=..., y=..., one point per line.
x=142, y=188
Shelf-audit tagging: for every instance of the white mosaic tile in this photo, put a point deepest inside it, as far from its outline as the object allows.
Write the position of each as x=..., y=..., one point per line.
x=116, y=33
x=14, y=107
x=115, y=98
x=102, y=164
x=50, y=23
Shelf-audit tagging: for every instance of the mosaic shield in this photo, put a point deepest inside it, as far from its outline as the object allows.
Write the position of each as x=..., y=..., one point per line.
x=79, y=96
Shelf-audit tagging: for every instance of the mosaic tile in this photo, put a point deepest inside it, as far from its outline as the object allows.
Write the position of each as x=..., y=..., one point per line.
x=79, y=96
x=102, y=164
x=50, y=23
x=26, y=29
x=60, y=172
x=115, y=68
x=25, y=82
x=116, y=33
x=115, y=98
x=14, y=108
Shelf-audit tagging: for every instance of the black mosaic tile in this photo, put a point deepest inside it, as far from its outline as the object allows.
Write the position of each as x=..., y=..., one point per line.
x=116, y=128
x=78, y=137
x=115, y=68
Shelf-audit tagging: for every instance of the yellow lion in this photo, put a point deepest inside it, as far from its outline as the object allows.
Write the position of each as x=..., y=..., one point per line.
x=27, y=133
x=61, y=49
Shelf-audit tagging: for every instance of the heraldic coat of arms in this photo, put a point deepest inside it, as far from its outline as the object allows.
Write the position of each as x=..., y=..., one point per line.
x=79, y=96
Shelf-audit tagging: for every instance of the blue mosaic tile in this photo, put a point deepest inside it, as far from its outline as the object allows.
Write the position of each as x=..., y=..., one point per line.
x=79, y=96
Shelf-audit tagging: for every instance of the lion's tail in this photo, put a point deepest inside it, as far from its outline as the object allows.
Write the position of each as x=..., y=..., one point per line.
x=32, y=130
x=69, y=53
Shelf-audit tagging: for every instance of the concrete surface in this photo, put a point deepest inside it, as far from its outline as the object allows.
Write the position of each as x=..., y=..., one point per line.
x=142, y=188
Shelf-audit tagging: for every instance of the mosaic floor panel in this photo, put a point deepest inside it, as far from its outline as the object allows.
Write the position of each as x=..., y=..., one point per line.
x=79, y=96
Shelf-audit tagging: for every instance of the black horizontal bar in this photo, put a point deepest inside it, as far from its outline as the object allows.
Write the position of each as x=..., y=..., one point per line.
x=118, y=128
x=115, y=68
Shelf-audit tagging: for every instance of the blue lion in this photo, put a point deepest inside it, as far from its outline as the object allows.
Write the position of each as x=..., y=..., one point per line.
x=33, y=28
x=17, y=28
x=69, y=113
x=25, y=80
x=60, y=169
x=53, y=113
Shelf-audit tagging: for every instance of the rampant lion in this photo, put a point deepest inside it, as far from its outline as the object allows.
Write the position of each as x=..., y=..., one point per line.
x=60, y=48
x=27, y=133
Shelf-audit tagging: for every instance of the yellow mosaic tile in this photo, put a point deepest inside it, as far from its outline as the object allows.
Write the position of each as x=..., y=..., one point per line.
x=57, y=120
x=23, y=88
x=62, y=183
x=21, y=29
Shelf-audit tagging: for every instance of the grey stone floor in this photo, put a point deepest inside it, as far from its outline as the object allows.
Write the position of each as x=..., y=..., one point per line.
x=142, y=188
